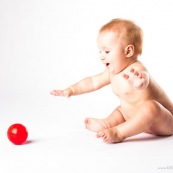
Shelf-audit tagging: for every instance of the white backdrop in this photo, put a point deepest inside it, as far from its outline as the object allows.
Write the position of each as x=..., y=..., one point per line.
x=50, y=44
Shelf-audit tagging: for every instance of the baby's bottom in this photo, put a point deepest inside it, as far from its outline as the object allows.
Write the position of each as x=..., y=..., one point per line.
x=150, y=117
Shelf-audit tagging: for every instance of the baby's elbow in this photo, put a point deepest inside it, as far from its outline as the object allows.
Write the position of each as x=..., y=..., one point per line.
x=145, y=84
x=95, y=83
x=146, y=81
x=142, y=86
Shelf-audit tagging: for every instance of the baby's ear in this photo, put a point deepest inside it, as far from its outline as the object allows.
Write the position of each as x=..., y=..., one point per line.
x=129, y=51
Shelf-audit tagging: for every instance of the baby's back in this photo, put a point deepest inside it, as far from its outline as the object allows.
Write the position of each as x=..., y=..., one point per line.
x=158, y=94
x=131, y=96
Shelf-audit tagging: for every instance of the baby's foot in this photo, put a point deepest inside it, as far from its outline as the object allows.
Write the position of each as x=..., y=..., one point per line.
x=95, y=125
x=110, y=135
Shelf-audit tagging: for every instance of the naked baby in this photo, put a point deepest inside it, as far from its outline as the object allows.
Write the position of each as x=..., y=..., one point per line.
x=144, y=106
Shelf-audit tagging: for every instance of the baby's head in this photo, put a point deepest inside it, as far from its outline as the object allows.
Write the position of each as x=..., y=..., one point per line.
x=127, y=32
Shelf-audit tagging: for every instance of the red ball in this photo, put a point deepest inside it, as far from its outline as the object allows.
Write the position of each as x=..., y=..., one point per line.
x=17, y=134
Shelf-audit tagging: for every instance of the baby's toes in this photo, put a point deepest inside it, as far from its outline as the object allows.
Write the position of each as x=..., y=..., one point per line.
x=99, y=134
x=103, y=135
x=86, y=122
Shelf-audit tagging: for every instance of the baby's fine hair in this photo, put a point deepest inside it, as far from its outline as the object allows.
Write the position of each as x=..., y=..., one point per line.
x=127, y=31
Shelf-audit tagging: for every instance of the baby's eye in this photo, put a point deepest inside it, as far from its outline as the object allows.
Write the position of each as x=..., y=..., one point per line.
x=107, y=52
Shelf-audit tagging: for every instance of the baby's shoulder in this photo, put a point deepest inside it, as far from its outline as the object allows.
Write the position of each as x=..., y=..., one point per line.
x=138, y=66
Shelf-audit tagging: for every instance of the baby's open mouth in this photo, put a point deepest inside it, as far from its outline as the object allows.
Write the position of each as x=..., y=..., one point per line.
x=107, y=64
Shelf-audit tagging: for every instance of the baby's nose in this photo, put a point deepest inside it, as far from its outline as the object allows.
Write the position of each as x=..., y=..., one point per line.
x=102, y=57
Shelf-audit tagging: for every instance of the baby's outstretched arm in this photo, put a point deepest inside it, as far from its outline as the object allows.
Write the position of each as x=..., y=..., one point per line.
x=137, y=79
x=85, y=85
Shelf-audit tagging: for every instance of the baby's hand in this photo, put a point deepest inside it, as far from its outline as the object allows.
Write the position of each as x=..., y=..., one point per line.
x=65, y=93
x=137, y=79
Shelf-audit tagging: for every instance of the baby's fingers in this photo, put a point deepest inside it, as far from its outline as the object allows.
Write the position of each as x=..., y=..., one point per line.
x=125, y=76
x=136, y=73
x=57, y=92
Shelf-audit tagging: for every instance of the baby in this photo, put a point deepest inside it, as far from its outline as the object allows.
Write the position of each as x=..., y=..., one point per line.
x=144, y=106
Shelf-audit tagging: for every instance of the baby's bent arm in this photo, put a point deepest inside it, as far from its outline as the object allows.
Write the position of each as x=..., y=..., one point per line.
x=138, y=79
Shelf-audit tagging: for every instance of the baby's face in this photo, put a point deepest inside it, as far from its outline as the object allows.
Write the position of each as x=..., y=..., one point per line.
x=111, y=51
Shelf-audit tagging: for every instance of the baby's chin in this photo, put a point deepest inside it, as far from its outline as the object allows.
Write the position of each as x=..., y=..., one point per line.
x=110, y=68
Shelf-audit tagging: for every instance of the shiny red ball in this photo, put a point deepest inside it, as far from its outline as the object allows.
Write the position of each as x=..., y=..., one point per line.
x=17, y=134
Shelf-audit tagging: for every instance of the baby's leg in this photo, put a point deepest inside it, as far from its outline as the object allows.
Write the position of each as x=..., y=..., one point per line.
x=112, y=120
x=150, y=117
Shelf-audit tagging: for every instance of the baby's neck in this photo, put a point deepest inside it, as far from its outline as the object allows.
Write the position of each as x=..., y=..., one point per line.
x=128, y=64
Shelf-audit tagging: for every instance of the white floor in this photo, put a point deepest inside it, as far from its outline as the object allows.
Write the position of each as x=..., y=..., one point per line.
x=59, y=142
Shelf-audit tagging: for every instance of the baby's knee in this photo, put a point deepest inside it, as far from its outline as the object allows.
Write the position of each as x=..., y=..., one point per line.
x=152, y=108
